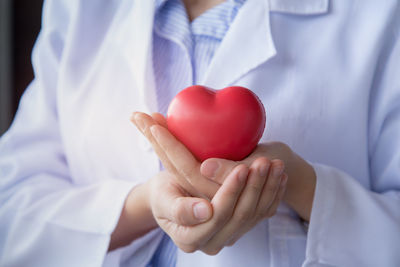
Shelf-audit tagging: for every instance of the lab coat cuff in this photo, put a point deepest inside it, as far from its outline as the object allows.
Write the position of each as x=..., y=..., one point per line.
x=140, y=251
x=325, y=195
x=350, y=225
x=112, y=206
x=118, y=191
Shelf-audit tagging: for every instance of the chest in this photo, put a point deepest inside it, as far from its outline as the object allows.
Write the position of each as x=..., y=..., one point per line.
x=315, y=94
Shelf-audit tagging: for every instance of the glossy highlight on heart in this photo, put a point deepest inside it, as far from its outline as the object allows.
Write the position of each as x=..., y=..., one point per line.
x=226, y=123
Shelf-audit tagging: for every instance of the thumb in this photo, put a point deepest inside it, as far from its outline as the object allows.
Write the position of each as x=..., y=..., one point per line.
x=217, y=169
x=188, y=211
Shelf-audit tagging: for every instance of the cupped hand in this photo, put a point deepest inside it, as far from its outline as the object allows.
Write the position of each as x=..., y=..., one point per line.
x=193, y=174
x=249, y=192
x=247, y=196
x=302, y=178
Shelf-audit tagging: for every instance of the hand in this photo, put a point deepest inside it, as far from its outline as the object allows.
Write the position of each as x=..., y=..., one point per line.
x=246, y=197
x=244, y=208
x=175, y=157
x=179, y=161
x=257, y=201
x=302, y=178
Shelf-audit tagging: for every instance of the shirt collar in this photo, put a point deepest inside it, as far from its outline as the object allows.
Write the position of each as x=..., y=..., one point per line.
x=300, y=7
x=160, y=3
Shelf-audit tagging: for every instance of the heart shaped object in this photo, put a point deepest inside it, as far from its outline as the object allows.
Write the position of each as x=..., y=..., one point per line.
x=225, y=123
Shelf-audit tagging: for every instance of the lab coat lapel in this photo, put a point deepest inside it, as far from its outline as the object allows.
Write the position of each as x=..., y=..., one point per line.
x=247, y=44
x=138, y=49
x=299, y=7
x=249, y=41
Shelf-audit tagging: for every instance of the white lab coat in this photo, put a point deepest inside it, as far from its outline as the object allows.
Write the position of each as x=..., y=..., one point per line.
x=327, y=73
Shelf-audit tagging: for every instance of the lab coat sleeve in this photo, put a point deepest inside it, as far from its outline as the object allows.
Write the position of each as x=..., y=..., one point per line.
x=351, y=225
x=45, y=218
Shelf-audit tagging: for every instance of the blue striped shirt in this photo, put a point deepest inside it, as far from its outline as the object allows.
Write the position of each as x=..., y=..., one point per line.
x=182, y=52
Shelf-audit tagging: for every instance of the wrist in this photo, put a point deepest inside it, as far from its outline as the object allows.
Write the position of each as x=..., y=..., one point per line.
x=138, y=201
x=301, y=187
x=136, y=218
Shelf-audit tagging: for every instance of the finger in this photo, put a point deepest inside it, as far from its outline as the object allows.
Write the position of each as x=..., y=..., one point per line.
x=217, y=169
x=189, y=211
x=223, y=205
x=229, y=192
x=270, y=188
x=179, y=155
x=271, y=211
x=243, y=217
x=183, y=161
x=279, y=196
x=250, y=196
x=171, y=203
x=160, y=119
x=143, y=122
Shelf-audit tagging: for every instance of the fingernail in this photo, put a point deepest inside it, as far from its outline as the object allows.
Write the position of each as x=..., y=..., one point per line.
x=139, y=122
x=243, y=175
x=201, y=211
x=154, y=132
x=210, y=168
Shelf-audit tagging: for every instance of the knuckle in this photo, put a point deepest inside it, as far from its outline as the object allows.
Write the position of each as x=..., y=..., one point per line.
x=271, y=212
x=255, y=187
x=187, y=248
x=270, y=189
x=242, y=217
x=220, y=219
x=261, y=214
x=212, y=251
x=231, y=242
x=195, y=242
x=178, y=211
x=190, y=171
x=266, y=211
x=187, y=244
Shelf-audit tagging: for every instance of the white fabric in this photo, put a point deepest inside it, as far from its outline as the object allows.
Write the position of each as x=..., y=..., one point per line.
x=327, y=77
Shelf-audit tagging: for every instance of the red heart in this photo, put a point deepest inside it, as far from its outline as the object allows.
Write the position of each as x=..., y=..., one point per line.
x=225, y=123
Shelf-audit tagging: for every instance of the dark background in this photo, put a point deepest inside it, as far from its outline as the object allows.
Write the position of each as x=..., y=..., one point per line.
x=24, y=21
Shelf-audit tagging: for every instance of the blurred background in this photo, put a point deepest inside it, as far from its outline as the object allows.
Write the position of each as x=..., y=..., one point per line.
x=20, y=22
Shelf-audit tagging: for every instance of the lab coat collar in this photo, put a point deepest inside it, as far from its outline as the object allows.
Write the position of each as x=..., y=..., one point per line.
x=299, y=7
x=249, y=43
